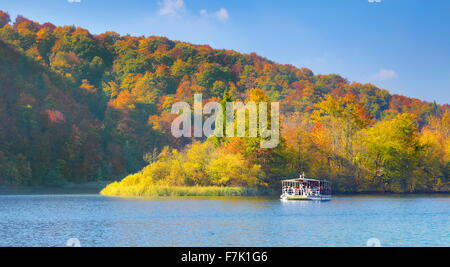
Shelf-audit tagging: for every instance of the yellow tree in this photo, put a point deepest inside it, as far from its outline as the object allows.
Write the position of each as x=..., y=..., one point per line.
x=231, y=169
x=435, y=139
x=390, y=152
x=336, y=122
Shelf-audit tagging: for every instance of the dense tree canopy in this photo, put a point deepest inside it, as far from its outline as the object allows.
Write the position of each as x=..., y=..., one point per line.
x=81, y=107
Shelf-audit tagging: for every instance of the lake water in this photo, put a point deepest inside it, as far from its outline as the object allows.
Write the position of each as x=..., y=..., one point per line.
x=45, y=220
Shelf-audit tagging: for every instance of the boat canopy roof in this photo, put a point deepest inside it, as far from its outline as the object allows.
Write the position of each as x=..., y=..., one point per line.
x=303, y=180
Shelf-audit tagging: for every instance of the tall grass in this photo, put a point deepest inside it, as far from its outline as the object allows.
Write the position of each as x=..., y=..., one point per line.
x=150, y=190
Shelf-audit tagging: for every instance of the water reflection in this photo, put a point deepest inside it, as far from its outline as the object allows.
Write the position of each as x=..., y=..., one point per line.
x=101, y=221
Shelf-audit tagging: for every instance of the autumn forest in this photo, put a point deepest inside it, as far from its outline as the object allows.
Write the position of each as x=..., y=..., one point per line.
x=77, y=107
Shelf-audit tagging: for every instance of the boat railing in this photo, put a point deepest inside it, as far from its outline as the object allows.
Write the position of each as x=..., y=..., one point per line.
x=289, y=191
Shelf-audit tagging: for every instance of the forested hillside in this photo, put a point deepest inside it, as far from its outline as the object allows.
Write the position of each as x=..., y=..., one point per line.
x=78, y=107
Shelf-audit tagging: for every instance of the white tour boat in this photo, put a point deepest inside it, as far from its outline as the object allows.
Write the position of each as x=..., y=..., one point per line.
x=306, y=189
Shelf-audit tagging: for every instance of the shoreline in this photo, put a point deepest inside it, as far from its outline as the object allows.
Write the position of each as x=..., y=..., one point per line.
x=96, y=188
x=70, y=189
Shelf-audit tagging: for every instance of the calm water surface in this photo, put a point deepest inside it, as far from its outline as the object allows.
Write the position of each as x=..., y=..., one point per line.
x=101, y=221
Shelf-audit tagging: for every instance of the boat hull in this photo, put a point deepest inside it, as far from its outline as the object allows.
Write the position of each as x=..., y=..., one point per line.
x=305, y=198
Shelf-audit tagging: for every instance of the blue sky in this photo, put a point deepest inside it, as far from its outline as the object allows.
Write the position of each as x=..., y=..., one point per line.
x=399, y=45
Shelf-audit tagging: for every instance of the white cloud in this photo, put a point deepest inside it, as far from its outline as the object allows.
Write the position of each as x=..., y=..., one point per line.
x=74, y=1
x=221, y=15
x=384, y=74
x=171, y=7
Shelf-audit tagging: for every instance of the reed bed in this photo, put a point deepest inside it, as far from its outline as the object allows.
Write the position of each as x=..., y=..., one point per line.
x=150, y=190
